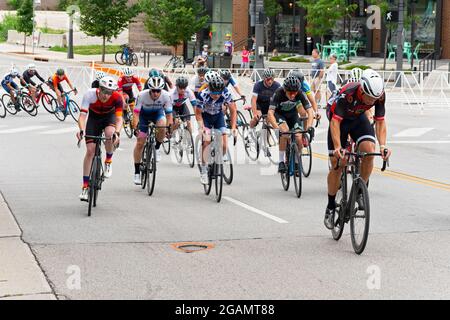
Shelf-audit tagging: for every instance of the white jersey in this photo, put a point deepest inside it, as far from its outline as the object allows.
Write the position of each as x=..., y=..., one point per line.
x=146, y=104
x=178, y=100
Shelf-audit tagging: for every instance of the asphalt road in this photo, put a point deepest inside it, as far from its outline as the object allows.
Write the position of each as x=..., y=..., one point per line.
x=125, y=249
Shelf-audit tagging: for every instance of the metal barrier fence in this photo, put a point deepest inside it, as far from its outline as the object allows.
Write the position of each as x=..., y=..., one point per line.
x=422, y=90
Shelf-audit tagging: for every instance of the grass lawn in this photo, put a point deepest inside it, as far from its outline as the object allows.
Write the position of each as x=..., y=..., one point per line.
x=88, y=50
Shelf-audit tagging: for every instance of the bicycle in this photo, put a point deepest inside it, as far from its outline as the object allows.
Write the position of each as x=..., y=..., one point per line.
x=97, y=173
x=293, y=162
x=24, y=101
x=347, y=204
x=70, y=106
x=183, y=141
x=174, y=62
x=126, y=56
x=215, y=163
x=46, y=99
x=148, y=162
x=241, y=123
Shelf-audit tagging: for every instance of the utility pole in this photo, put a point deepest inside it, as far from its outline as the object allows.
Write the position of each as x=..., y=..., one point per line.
x=413, y=30
x=400, y=41
x=36, y=3
x=259, y=33
x=70, y=46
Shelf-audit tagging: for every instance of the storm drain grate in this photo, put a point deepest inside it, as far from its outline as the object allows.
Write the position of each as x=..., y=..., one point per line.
x=189, y=247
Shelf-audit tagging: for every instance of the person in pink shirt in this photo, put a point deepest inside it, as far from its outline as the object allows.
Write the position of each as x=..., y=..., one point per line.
x=245, y=64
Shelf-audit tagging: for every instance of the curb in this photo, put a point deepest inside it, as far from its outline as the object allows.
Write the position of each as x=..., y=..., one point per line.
x=22, y=277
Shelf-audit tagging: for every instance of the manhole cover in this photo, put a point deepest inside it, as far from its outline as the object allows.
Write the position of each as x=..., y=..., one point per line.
x=189, y=247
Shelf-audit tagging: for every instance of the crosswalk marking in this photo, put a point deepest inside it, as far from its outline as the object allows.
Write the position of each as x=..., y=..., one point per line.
x=413, y=132
x=22, y=129
x=59, y=131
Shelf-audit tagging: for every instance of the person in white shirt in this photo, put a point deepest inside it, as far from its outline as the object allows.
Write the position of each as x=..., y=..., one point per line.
x=332, y=74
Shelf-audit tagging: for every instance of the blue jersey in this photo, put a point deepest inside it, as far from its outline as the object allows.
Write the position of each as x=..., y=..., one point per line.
x=208, y=105
x=8, y=78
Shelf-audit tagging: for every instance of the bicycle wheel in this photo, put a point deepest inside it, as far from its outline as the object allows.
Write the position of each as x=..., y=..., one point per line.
x=119, y=57
x=359, y=217
x=198, y=152
x=143, y=167
x=60, y=112
x=341, y=207
x=99, y=179
x=92, y=185
x=269, y=144
x=251, y=144
x=207, y=187
x=178, y=144
x=48, y=101
x=306, y=156
x=166, y=145
x=297, y=163
x=74, y=110
x=285, y=176
x=151, y=169
x=227, y=169
x=2, y=110
x=8, y=104
x=218, y=173
x=28, y=105
x=242, y=124
x=190, y=153
x=134, y=60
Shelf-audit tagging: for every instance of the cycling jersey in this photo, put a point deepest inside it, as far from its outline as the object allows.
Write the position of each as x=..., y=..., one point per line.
x=27, y=77
x=56, y=81
x=126, y=83
x=8, y=78
x=264, y=94
x=179, y=100
x=281, y=104
x=210, y=106
x=92, y=104
x=152, y=110
x=347, y=104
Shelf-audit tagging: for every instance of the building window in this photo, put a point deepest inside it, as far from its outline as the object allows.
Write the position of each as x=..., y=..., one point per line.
x=221, y=23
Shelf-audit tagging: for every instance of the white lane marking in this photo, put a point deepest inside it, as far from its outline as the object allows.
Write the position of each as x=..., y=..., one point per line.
x=58, y=131
x=22, y=129
x=401, y=142
x=260, y=212
x=413, y=132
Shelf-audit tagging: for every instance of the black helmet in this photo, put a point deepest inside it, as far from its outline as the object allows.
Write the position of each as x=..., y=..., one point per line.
x=291, y=83
x=182, y=82
x=202, y=70
x=60, y=72
x=298, y=74
x=225, y=74
x=216, y=84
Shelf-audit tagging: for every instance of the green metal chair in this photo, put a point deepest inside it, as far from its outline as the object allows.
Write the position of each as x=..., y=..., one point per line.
x=415, y=53
x=354, y=49
x=391, y=51
x=407, y=49
x=320, y=48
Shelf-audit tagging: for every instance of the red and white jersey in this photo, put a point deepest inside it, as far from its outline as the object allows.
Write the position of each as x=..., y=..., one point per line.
x=126, y=83
x=92, y=103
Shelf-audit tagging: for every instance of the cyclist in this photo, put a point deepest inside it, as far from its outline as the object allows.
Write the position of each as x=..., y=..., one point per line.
x=199, y=80
x=283, y=114
x=9, y=85
x=157, y=73
x=27, y=75
x=209, y=114
x=153, y=105
x=104, y=106
x=126, y=83
x=98, y=76
x=56, y=80
x=263, y=91
x=306, y=89
x=347, y=117
x=179, y=95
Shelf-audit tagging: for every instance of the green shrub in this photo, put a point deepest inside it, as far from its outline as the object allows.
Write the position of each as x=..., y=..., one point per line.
x=51, y=31
x=63, y=4
x=9, y=23
x=361, y=66
x=298, y=59
x=89, y=50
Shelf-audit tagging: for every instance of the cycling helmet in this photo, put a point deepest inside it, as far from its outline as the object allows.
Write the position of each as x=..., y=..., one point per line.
x=297, y=74
x=268, y=73
x=182, y=82
x=31, y=67
x=225, y=74
x=155, y=73
x=60, y=72
x=211, y=74
x=291, y=83
x=108, y=83
x=216, y=83
x=202, y=71
x=128, y=72
x=356, y=74
x=99, y=75
x=156, y=83
x=14, y=72
x=372, y=83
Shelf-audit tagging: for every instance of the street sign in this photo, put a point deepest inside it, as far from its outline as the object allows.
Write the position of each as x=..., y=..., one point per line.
x=194, y=38
x=261, y=51
x=392, y=16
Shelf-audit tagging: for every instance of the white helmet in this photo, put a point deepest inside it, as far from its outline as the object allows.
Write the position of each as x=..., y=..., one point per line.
x=14, y=71
x=356, y=74
x=99, y=75
x=128, y=72
x=372, y=83
x=156, y=83
x=108, y=83
x=31, y=66
x=210, y=75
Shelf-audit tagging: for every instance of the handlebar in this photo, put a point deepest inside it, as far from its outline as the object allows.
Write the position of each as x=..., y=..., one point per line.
x=363, y=155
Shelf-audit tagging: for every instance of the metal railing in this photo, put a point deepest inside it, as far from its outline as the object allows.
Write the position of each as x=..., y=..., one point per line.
x=428, y=63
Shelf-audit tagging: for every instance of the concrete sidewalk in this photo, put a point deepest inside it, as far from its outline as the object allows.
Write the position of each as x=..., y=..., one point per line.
x=21, y=278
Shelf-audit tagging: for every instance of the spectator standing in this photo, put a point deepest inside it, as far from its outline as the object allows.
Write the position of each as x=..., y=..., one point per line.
x=317, y=73
x=228, y=45
x=332, y=74
x=245, y=64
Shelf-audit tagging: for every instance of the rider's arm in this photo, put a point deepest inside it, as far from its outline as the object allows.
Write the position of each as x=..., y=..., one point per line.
x=271, y=113
x=39, y=77
x=137, y=110
x=138, y=83
x=380, y=123
x=254, y=100
x=335, y=128
x=118, y=106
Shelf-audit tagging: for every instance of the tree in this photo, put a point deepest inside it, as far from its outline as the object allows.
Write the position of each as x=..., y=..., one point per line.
x=322, y=15
x=25, y=20
x=173, y=21
x=14, y=4
x=272, y=8
x=105, y=18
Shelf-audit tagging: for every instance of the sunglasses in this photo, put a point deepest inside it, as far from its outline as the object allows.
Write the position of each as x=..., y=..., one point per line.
x=268, y=79
x=291, y=92
x=106, y=91
x=217, y=93
x=155, y=90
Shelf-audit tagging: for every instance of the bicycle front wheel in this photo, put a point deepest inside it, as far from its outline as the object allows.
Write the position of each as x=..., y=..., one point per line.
x=134, y=60
x=190, y=153
x=251, y=144
x=2, y=110
x=297, y=162
x=143, y=167
x=166, y=145
x=242, y=124
x=306, y=159
x=151, y=169
x=119, y=57
x=49, y=102
x=74, y=110
x=60, y=112
x=227, y=169
x=8, y=104
x=341, y=207
x=28, y=105
x=178, y=144
x=92, y=185
x=218, y=173
x=359, y=215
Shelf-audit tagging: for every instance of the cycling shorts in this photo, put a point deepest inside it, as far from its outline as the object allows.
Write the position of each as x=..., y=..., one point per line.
x=96, y=123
